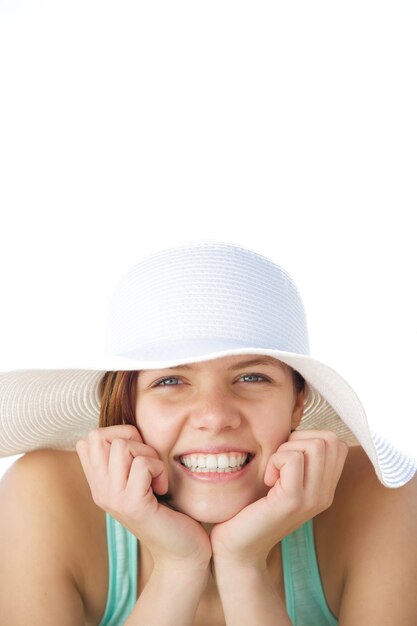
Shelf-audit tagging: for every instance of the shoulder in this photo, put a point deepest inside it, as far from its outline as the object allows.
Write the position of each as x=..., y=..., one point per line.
x=362, y=499
x=52, y=480
x=51, y=485
x=47, y=514
x=44, y=479
x=364, y=510
x=372, y=531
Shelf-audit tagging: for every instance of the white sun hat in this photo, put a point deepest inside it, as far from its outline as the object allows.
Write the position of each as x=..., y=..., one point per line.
x=186, y=304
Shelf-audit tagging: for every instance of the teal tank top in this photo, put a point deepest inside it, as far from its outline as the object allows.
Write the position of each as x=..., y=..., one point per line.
x=305, y=600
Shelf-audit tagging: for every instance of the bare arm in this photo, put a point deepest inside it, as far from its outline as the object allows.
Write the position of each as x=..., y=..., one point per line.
x=249, y=597
x=170, y=598
x=37, y=586
x=381, y=569
x=123, y=474
x=302, y=476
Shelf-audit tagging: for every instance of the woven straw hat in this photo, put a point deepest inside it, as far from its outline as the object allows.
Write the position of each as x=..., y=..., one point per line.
x=191, y=303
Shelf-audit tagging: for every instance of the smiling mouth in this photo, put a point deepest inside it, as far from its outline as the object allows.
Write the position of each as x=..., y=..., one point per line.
x=226, y=462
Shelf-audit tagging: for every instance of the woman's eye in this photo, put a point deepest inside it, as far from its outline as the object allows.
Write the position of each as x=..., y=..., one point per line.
x=172, y=381
x=166, y=382
x=263, y=378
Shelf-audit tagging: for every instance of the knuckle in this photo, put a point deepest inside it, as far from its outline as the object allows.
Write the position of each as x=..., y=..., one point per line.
x=94, y=435
x=299, y=434
x=148, y=450
x=331, y=437
x=119, y=443
x=140, y=462
x=319, y=442
x=284, y=446
x=343, y=446
x=328, y=436
x=298, y=456
x=80, y=445
x=318, y=445
x=131, y=430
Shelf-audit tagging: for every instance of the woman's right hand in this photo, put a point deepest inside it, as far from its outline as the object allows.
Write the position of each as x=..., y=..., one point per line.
x=124, y=474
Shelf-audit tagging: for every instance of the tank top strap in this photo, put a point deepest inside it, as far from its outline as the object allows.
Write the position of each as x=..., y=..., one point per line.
x=122, y=549
x=304, y=594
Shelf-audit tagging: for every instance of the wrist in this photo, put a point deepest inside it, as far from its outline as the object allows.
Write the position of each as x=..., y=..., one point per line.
x=241, y=572
x=182, y=568
x=240, y=562
x=249, y=595
x=186, y=585
x=170, y=597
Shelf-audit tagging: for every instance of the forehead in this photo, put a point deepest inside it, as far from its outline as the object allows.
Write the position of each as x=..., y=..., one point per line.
x=229, y=363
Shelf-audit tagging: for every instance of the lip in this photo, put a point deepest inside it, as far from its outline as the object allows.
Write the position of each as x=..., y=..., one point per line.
x=214, y=450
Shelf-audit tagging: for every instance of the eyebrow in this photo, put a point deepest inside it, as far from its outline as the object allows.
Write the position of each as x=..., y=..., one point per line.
x=258, y=361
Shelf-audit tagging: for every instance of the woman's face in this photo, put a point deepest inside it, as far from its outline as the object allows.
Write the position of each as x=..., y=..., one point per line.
x=215, y=424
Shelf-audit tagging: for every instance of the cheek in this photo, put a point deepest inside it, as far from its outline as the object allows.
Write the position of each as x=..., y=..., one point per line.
x=157, y=428
x=274, y=425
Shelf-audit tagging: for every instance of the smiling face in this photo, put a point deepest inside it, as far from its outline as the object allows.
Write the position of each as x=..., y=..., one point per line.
x=215, y=424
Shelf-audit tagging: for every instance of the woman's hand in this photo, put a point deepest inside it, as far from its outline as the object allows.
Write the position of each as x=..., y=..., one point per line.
x=302, y=475
x=124, y=475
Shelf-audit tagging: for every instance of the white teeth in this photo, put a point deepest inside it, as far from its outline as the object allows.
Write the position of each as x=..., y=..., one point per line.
x=201, y=461
x=225, y=462
x=210, y=463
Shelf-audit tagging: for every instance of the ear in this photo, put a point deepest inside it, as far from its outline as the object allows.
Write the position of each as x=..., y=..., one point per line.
x=298, y=409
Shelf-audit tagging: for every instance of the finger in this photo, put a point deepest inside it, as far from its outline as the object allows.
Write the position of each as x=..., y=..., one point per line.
x=287, y=469
x=146, y=475
x=100, y=439
x=334, y=444
x=90, y=457
x=342, y=453
x=81, y=448
x=98, y=452
x=94, y=480
x=121, y=455
x=335, y=455
x=119, y=431
x=314, y=451
x=336, y=451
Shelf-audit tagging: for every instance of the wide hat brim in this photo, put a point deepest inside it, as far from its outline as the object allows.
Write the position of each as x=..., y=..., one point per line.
x=54, y=408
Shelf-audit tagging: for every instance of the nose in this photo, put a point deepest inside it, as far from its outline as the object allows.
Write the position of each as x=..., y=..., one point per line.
x=215, y=411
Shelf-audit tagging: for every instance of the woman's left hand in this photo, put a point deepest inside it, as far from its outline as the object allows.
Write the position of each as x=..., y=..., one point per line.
x=302, y=475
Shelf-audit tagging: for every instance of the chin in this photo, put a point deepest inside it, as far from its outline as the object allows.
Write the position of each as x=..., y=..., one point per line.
x=213, y=517
x=208, y=511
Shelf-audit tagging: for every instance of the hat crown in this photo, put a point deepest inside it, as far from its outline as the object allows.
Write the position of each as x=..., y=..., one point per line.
x=205, y=297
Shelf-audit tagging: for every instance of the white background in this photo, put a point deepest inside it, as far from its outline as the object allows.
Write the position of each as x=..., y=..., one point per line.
x=288, y=127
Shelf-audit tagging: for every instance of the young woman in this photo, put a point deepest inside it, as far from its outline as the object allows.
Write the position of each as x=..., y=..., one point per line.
x=217, y=487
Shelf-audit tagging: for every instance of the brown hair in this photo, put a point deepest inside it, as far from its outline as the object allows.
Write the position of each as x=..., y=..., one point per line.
x=118, y=396
x=299, y=382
